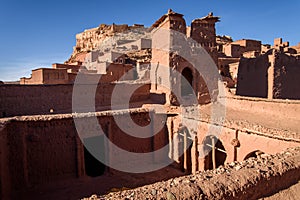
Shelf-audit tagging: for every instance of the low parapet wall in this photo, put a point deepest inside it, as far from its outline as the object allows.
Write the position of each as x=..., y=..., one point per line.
x=18, y=100
x=289, y=109
x=251, y=179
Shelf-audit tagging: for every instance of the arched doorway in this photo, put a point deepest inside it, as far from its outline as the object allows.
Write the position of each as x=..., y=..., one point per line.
x=186, y=82
x=214, y=151
x=253, y=154
x=186, y=143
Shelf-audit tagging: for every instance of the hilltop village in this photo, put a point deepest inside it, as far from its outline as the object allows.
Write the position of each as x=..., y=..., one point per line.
x=228, y=113
x=114, y=55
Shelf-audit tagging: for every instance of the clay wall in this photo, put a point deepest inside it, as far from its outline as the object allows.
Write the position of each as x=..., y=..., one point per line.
x=250, y=179
x=114, y=72
x=119, y=27
x=251, y=54
x=249, y=142
x=224, y=66
x=160, y=59
x=46, y=99
x=286, y=109
x=47, y=76
x=253, y=76
x=36, y=78
x=272, y=75
x=237, y=48
x=286, y=77
x=233, y=50
x=37, y=151
x=71, y=68
x=203, y=31
x=238, y=142
x=249, y=45
x=177, y=23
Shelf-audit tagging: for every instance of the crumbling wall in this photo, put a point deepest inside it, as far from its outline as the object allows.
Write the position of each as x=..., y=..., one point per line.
x=252, y=77
x=251, y=179
x=46, y=99
x=36, y=153
x=273, y=75
x=37, y=150
x=239, y=139
x=286, y=77
x=290, y=110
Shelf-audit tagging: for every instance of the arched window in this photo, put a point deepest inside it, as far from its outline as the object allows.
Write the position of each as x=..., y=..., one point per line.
x=215, y=152
x=186, y=82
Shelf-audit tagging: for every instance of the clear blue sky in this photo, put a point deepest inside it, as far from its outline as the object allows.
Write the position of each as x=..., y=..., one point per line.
x=37, y=33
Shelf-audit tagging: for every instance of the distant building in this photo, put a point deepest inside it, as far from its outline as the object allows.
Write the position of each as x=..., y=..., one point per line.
x=237, y=48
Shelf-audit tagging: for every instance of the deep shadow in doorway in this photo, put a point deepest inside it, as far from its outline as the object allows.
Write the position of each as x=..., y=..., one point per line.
x=93, y=167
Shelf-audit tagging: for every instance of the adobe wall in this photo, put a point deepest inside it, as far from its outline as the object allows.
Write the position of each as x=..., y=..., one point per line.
x=248, y=142
x=273, y=75
x=33, y=154
x=239, y=139
x=288, y=109
x=198, y=83
x=40, y=99
x=37, y=150
x=286, y=77
x=114, y=72
x=250, y=179
x=252, y=77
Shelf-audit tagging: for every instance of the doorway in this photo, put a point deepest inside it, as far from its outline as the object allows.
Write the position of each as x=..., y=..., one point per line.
x=215, y=153
x=186, y=82
x=93, y=167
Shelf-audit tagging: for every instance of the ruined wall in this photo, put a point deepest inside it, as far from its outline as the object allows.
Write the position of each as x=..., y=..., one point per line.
x=249, y=45
x=237, y=141
x=272, y=75
x=253, y=76
x=289, y=110
x=250, y=179
x=47, y=76
x=286, y=77
x=233, y=50
x=47, y=99
x=45, y=149
x=36, y=150
x=91, y=39
x=114, y=72
x=71, y=68
x=203, y=31
x=196, y=80
x=37, y=153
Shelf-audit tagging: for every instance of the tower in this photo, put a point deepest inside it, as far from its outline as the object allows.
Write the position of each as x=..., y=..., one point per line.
x=203, y=31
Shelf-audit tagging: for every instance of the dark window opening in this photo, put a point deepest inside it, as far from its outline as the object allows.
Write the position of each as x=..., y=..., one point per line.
x=93, y=167
x=186, y=82
x=220, y=153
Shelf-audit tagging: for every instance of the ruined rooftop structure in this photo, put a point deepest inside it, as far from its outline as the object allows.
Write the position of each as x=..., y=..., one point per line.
x=273, y=75
x=171, y=114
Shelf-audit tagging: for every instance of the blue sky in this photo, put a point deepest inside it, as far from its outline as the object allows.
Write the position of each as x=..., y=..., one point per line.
x=36, y=34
